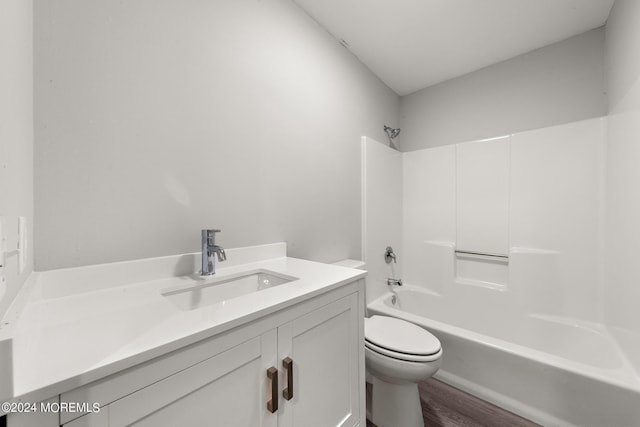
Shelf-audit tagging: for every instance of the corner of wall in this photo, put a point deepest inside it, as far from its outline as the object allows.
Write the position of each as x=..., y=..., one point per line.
x=622, y=174
x=16, y=141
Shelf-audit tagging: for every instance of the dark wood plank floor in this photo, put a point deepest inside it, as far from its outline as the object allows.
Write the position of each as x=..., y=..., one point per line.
x=446, y=406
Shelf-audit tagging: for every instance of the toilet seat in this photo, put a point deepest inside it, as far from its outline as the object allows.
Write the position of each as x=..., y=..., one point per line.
x=403, y=356
x=400, y=339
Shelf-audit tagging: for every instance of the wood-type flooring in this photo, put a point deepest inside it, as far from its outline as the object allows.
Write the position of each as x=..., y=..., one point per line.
x=446, y=406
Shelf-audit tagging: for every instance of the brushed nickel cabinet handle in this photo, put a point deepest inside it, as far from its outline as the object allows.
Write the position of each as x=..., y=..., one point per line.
x=272, y=404
x=287, y=363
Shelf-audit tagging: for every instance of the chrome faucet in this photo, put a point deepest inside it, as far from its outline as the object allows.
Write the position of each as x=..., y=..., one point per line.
x=390, y=256
x=209, y=249
x=394, y=282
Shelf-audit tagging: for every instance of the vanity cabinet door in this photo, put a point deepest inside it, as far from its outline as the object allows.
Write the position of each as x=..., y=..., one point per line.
x=324, y=347
x=229, y=389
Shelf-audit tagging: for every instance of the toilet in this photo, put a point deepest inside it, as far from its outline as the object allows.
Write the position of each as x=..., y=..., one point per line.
x=398, y=355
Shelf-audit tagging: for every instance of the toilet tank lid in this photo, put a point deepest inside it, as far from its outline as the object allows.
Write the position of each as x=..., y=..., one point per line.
x=400, y=336
x=350, y=263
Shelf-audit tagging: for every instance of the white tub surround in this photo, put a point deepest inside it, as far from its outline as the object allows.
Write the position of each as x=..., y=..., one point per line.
x=381, y=194
x=72, y=327
x=503, y=241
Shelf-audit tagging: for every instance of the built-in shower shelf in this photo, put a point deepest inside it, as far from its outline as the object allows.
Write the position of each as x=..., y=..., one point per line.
x=482, y=255
x=487, y=270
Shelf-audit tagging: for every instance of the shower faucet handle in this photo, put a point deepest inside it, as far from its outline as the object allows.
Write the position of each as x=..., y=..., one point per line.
x=389, y=255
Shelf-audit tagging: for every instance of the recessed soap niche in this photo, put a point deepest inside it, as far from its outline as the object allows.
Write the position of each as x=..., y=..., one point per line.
x=478, y=269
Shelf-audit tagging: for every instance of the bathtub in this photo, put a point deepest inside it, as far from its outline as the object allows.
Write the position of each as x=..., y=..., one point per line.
x=553, y=370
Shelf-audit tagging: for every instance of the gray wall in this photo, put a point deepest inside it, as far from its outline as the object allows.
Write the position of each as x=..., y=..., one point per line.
x=560, y=83
x=16, y=137
x=155, y=119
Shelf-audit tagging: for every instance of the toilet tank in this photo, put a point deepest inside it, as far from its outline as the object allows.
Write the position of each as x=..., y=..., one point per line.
x=351, y=263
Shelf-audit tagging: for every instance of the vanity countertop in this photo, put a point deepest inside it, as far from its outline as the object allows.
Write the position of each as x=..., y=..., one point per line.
x=73, y=326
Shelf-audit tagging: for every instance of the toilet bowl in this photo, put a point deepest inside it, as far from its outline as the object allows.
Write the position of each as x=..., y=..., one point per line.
x=398, y=355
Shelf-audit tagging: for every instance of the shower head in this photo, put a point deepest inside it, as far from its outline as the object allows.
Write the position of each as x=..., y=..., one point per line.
x=391, y=132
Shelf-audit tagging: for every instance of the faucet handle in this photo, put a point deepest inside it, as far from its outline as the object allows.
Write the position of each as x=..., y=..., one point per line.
x=222, y=255
x=389, y=255
x=210, y=235
x=211, y=230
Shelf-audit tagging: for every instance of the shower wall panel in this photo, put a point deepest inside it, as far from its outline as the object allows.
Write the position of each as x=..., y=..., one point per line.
x=381, y=213
x=536, y=197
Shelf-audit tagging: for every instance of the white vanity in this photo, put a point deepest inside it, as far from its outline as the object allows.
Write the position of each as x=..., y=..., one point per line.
x=268, y=341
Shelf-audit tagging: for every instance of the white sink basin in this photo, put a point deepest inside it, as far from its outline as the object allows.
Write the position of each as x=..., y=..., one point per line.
x=212, y=291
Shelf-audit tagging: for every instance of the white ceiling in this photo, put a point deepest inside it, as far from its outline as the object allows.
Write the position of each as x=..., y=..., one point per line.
x=413, y=44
